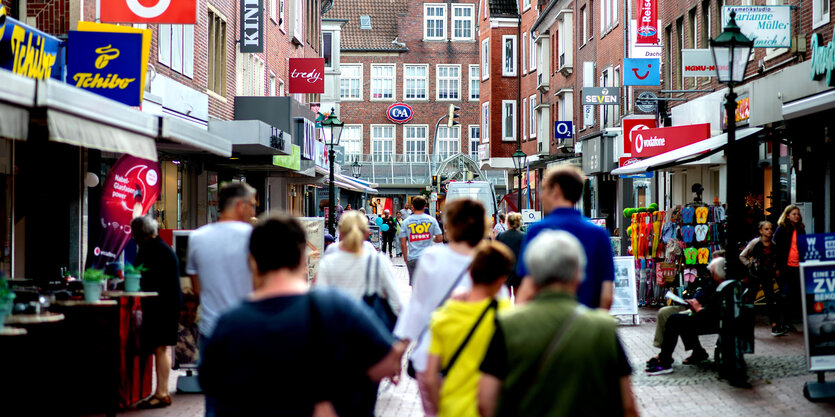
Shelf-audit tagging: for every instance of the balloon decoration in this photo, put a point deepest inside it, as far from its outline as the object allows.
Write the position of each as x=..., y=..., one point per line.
x=384, y=228
x=379, y=221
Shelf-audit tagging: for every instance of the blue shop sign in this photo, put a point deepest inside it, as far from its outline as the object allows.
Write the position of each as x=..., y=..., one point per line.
x=563, y=130
x=819, y=247
x=107, y=63
x=27, y=51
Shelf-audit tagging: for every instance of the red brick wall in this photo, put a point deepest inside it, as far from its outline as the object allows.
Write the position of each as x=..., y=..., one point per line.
x=52, y=16
x=528, y=77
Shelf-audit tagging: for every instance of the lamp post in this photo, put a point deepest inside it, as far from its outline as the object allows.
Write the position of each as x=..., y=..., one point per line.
x=356, y=169
x=519, y=159
x=332, y=130
x=731, y=50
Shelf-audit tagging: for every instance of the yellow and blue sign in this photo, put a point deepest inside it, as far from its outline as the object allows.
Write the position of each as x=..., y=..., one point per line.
x=641, y=71
x=27, y=51
x=108, y=64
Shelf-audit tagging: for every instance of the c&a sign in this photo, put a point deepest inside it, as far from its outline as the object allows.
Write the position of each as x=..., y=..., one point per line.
x=149, y=11
x=651, y=142
x=307, y=75
x=27, y=51
x=107, y=63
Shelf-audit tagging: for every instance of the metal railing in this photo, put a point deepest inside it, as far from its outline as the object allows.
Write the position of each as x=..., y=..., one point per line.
x=399, y=169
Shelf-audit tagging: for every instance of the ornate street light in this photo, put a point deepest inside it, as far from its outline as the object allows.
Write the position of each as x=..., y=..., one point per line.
x=332, y=130
x=519, y=159
x=356, y=169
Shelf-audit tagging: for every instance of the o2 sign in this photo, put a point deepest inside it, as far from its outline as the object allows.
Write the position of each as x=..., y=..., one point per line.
x=399, y=112
x=149, y=11
x=563, y=130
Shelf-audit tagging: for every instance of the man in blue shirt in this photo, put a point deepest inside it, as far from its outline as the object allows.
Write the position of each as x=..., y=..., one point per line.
x=562, y=188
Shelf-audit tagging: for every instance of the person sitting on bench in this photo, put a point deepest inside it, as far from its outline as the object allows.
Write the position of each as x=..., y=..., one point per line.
x=703, y=319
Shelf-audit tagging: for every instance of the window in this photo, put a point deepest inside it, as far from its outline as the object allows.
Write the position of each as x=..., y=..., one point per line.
x=608, y=15
x=475, y=140
x=820, y=13
x=434, y=21
x=382, y=142
x=365, y=22
x=281, y=14
x=616, y=109
x=176, y=48
x=350, y=81
x=448, y=82
x=462, y=22
x=509, y=57
x=525, y=49
x=280, y=87
x=585, y=29
x=414, y=145
x=475, y=83
x=668, y=56
x=526, y=4
x=524, y=110
x=327, y=49
x=351, y=139
x=217, y=54
x=591, y=19
x=509, y=120
x=415, y=82
x=532, y=101
x=298, y=20
x=272, y=83
x=273, y=11
x=680, y=33
x=485, y=58
x=485, y=121
x=449, y=141
x=706, y=33
x=382, y=82
x=533, y=54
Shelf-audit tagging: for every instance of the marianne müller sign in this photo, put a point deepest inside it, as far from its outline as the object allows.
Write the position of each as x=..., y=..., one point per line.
x=252, y=26
x=768, y=26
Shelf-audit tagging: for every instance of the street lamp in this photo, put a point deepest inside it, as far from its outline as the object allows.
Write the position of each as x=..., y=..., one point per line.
x=519, y=159
x=332, y=130
x=356, y=169
x=731, y=51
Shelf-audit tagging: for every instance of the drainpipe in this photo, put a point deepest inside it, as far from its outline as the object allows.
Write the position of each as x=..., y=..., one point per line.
x=519, y=125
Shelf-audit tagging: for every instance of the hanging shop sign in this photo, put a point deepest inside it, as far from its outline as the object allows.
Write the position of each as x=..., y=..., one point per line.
x=819, y=247
x=252, y=26
x=651, y=142
x=644, y=50
x=563, y=130
x=27, y=51
x=147, y=35
x=588, y=115
x=823, y=59
x=292, y=161
x=768, y=26
x=320, y=159
x=697, y=63
x=632, y=124
x=599, y=96
x=641, y=71
x=130, y=190
x=818, y=283
x=307, y=75
x=646, y=102
x=483, y=151
x=647, y=17
x=743, y=111
x=149, y=11
x=399, y=113
x=626, y=161
x=108, y=64
x=306, y=138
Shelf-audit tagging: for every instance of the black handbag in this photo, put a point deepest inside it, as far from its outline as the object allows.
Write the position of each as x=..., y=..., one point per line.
x=379, y=304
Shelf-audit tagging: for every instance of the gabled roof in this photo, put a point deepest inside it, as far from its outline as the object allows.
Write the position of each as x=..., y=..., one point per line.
x=506, y=8
x=384, y=16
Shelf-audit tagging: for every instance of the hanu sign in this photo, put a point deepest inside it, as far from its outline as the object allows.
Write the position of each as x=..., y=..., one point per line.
x=399, y=112
x=307, y=75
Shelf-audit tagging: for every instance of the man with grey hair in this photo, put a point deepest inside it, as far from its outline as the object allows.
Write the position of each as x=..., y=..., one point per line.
x=704, y=319
x=553, y=356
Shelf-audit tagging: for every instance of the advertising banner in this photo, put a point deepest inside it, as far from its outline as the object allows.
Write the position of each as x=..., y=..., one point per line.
x=131, y=188
x=27, y=51
x=599, y=96
x=626, y=161
x=631, y=124
x=625, y=297
x=697, y=63
x=307, y=75
x=819, y=247
x=767, y=26
x=315, y=231
x=588, y=115
x=531, y=216
x=641, y=71
x=108, y=64
x=651, y=142
x=643, y=50
x=149, y=11
x=647, y=17
x=252, y=26
x=818, y=282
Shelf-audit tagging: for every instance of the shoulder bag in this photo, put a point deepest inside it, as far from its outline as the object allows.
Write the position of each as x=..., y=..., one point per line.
x=372, y=297
x=493, y=304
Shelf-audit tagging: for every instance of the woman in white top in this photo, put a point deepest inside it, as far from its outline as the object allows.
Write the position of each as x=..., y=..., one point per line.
x=440, y=268
x=345, y=267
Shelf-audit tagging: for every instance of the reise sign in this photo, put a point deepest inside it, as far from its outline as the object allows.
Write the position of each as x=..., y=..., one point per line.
x=307, y=75
x=149, y=11
x=651, y=142
x=647, y=16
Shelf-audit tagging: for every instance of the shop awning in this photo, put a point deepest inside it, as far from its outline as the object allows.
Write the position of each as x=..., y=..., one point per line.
x=351, y=184
x=17, y=96
x=178, y=135
x=252, y=137
x=686, y=154
x=809, y=105
x=364, y=186
x=85, y=119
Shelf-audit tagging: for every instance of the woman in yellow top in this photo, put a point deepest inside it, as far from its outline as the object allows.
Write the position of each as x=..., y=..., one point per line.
x=461, y=331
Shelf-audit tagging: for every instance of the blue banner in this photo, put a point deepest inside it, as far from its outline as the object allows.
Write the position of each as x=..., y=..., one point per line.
x=820, y=247
x=107, y=63
x=27, y=51
x=641, y=71
x=818, y=281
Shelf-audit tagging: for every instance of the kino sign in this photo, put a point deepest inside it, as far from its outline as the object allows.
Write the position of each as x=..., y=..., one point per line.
x=599, y=96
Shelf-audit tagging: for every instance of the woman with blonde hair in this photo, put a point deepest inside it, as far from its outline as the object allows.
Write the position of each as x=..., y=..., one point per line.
x=513, y=238
x=789, y=227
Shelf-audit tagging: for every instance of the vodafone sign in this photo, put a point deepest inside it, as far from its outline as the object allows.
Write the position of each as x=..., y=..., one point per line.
x=651, y=142
x=630, y=125
x=149, y=11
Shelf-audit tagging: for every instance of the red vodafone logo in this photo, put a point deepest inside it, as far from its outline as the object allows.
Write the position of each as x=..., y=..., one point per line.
x=149, y=11
x=630, y=127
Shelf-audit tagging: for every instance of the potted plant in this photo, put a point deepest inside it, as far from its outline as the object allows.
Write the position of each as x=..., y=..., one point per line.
x=93, y=280
x=132, y=276
x=7, y=297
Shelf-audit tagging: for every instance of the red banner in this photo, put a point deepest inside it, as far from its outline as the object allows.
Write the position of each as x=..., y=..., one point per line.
x=131, y=188
x=149, y=11
x=630, y=125
x=647, y=17
x=307, y=75
x=651, y=142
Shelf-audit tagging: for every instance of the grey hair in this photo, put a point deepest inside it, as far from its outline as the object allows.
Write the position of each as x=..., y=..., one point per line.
x=717, y=266
x=143, y=227
x=555, y=256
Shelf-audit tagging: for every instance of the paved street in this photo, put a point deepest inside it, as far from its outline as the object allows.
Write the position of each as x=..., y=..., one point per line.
x=777, y=372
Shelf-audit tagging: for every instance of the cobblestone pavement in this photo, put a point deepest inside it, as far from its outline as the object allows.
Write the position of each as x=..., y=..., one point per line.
x=777, y=371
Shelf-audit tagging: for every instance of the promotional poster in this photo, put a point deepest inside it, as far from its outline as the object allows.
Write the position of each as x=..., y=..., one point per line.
x=625, y=299
x=818, y=281
x=131, y=188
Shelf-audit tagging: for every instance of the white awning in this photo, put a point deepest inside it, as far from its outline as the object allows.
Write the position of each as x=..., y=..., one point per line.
x=17, y=96
x=809, y=105
x=686, y=154
x=352, y=184
x=364, y=186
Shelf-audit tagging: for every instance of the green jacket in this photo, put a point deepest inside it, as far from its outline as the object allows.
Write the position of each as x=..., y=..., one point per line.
x=581, y=378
